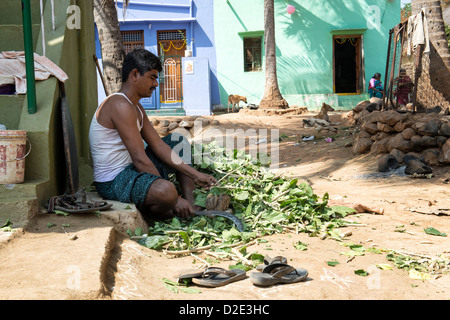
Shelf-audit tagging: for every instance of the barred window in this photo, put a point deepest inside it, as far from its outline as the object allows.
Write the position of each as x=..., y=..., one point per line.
x=132, y=39
x=252, y=54
x=172, y=35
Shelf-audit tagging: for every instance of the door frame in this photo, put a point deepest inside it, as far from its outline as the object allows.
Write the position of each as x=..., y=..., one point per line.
x=360, y=64
x=176, y=51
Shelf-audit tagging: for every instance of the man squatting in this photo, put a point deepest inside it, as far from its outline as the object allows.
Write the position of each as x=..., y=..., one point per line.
x=127, y=171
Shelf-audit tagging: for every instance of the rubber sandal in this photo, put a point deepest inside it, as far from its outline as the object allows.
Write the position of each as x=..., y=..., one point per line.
x=189, y=274
x=75, y=203
x=83, y=208
x=217, y=277
x=268, y=260
x=278, y=273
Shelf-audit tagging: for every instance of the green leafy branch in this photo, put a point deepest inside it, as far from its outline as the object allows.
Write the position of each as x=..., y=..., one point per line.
x=266, y=203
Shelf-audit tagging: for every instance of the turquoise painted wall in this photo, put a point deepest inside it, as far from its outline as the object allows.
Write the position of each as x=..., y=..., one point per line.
x=304, y=42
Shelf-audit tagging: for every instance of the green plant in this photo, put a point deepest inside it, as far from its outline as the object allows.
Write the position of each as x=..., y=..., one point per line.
x=266, y=203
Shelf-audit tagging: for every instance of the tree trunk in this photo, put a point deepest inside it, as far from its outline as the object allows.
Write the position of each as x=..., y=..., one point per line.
x=113, y=53
x=439, y=58
x=272, y=97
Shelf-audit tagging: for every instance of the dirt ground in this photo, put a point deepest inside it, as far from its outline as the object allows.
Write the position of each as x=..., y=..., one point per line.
x=134, y=272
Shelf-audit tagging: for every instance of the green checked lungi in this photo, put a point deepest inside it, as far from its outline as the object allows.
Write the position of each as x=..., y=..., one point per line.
x=131, y=186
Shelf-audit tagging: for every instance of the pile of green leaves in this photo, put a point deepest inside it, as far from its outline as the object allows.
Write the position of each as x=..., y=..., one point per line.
x=266, y=203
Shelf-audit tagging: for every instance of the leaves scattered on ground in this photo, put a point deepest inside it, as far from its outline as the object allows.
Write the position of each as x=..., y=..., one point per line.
x=266, y=203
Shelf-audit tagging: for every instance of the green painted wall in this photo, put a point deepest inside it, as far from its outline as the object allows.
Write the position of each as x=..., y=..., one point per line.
x=304, y=46
x=11, y=30
x=72, y=50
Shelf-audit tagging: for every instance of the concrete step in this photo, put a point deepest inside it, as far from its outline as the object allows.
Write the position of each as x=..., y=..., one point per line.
x=42, y=262
x=20, y=211
x=19, y=203
x=124, y=216
x=12, y=36
x=27, y=189
x=78, y=258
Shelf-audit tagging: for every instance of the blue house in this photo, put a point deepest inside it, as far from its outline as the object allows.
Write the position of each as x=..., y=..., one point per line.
x=181, y=33
x=326, y=50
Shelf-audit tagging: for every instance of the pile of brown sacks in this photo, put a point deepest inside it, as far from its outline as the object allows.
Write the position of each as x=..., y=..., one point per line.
x=419, y=141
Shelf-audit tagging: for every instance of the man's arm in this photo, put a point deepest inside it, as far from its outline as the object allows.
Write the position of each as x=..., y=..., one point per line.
x=124, y=118
x=171, y=158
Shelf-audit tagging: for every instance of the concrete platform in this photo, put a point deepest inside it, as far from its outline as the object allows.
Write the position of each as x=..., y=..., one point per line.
x=73, y=269
x=123, y=215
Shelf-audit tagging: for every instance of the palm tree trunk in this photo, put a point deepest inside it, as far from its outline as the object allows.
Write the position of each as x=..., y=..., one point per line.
x=439, y=58
x=105, y=16
x=272, y=97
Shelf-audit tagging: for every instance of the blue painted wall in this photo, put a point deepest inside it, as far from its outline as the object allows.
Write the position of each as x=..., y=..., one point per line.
x=196, y=86
x=195, y=16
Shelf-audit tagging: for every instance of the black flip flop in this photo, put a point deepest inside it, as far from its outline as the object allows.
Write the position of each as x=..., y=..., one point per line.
x=85, y=209
x=75, y=203
x=189, y=274
x=217, y=277
x=278, y=273
x=268, y=260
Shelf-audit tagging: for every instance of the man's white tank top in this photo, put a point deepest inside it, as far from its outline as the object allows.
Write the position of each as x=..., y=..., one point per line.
x=109, y=154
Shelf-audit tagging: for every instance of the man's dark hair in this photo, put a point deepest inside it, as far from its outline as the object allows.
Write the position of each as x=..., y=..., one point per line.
x=142, y=60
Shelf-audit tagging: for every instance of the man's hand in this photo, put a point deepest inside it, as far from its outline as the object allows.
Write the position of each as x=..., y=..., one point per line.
x=204, y=180
x=183, y=209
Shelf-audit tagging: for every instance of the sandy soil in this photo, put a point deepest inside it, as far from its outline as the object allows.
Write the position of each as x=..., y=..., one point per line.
x=135, y=272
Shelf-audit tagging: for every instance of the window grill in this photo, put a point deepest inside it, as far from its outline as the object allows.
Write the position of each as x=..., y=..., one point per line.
x=134, y=36
x=132, y=39
x=171, y=35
